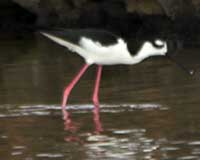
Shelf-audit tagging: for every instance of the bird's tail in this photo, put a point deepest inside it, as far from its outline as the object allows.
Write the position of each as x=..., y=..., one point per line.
x=71, y=46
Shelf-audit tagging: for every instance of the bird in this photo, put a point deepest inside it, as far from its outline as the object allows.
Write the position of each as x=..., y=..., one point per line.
x=101, y=47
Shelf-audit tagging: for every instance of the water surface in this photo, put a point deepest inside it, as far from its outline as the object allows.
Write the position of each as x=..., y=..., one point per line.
x=148, y=111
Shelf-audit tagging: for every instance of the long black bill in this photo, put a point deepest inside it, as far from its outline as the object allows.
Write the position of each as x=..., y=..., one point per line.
x=188, y=71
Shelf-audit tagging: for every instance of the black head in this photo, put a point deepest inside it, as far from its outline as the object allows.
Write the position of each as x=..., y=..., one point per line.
x=135, y=45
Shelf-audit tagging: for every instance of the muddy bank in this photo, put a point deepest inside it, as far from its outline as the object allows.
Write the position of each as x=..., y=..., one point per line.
x=120, y=16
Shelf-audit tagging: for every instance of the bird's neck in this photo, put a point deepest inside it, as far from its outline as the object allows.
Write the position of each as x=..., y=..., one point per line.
x=139, y=57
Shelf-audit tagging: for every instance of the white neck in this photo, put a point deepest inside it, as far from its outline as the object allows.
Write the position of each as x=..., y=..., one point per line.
x=137, y=58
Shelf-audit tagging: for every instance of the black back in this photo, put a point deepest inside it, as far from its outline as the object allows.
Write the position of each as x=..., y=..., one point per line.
x=74, y=35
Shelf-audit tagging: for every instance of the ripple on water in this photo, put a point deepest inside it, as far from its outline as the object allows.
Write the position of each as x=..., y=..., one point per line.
x=44, y=110
x=196, y=151
x=194, y=143
x=19, y=147
x=16, y=153
x=168, y=148
x=4, y=137
x=189, y=158
x=18, y=150
x=129, y=131
x=49, y=155
x=119, y=147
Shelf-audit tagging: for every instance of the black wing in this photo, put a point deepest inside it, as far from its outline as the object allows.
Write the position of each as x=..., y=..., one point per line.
x=74, y=35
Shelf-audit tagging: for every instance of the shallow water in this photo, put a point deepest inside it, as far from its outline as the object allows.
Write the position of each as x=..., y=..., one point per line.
x=148, y=111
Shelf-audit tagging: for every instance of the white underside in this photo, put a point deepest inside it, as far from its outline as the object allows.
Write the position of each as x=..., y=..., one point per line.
x=95, y=53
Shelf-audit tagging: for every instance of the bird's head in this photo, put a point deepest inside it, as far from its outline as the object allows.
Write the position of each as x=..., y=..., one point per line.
x=160, y=47
x=156, y=47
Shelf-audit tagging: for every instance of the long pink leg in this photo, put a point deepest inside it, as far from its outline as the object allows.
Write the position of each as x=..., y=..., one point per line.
x=95, y=97
x=69, y=88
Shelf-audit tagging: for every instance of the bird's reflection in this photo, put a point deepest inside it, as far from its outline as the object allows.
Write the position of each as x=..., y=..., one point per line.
x=69, y=125
x=97, y=121
x=74, y=127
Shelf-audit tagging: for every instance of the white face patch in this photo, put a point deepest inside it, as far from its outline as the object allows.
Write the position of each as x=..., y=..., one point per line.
x=159, y=42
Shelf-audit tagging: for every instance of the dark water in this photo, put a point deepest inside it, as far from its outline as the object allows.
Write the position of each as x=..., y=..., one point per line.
x=149, y=111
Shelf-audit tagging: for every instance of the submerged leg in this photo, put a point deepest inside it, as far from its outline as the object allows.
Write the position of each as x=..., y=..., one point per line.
x=69, y=88
x=95, y=97
x=97, y=121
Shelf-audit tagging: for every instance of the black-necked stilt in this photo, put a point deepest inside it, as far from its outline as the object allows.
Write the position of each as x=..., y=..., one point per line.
x=101, y=48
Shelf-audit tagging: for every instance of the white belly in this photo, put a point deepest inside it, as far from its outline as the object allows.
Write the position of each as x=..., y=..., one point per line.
x=108, y=59
x=105, y=55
